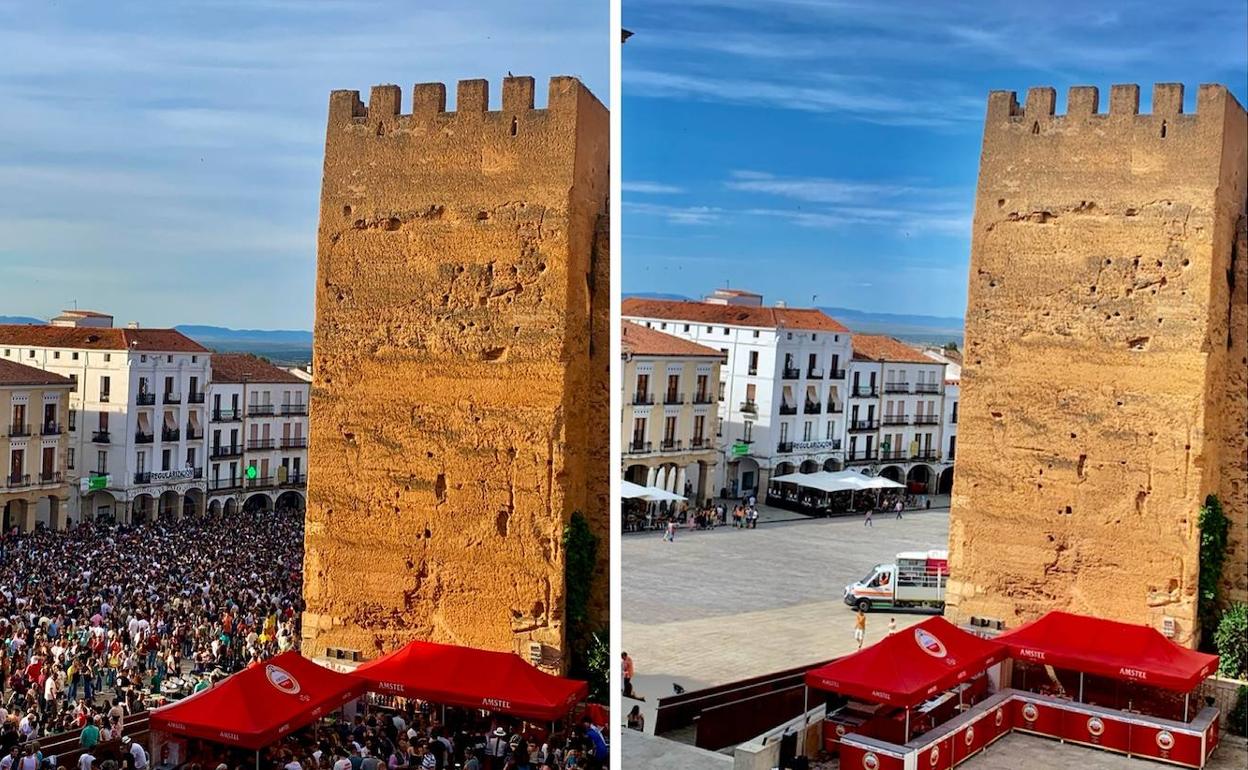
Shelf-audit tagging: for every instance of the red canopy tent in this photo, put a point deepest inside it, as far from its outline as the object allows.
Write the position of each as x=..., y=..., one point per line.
x=256, y=706
x=908, y=667
x=466, y=677
x=1109, y=648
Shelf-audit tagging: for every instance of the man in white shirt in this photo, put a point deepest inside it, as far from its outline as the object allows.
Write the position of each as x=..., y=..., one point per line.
x=137, y=751
x=86, y=761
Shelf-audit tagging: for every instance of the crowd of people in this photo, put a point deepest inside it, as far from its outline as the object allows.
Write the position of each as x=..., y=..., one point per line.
x=414, y=737
x=96, y=621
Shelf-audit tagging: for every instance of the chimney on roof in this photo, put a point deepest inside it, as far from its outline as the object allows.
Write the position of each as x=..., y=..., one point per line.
x=132, y=325
x=780, y=303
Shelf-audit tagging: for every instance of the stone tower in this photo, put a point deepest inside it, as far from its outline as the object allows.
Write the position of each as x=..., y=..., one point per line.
x=1105, y=384
x=461, y=381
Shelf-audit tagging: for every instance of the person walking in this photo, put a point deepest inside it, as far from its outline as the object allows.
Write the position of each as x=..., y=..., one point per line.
x=898, y=508
x=860, y=627
x=670, y=534
x=892, y=626
x=626, y=670
x=866, y=522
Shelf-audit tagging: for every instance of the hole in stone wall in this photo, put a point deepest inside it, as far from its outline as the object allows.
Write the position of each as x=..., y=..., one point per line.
x=1163, y=129
x=1079, y=468
x=346, y=211
x=482, y=216
x=1035, y=127
x=515, y=124
x=1068, y=510
x=500, y=523
x=391, y=224
x=439, y=488
x=1139, y=343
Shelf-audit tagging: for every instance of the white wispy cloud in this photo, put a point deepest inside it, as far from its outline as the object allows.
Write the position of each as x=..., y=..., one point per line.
x=814, y=189
x=651, y=188
x=676, y=215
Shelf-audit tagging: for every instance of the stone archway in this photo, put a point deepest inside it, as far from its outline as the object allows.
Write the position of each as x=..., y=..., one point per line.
x=810, y=466
x=142, y=509
x=192, y=502
x=214, y=509
x=919, y=479
x=637, y=474
x=231, y=507
x=257, y=502
x=834, y=465
x=747, y=478
x=289, y=500
x=945, y=487
x=17, y=514
x=100, y=507
x=169, y=503
x=893, y=473
x=784, y=469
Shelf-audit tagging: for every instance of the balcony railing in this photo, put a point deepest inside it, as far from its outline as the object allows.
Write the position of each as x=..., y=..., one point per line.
x=293, y=410
x=195, y=398
x=294, y=443
x=836, y=374
x=699, y=442
x=896, y=387
x=258, y=482
x=926, y=454
x=702, y=398
x=749, y=406
x=143, y=438
x=643, y=399
x=864, y=424
x=896, y=419
x=926, y=419
x=927, y=387
x=50, y=477
x=866, y=391
x=862, y=456
x=260, y=444
x=144, y=399
x=192, y=434
x=812, y=408
x=19, y=430
x=815, y=373
x=172, y=397
x=51, y=429
x=893, y=454
x=788, y=409
x=671, y=445
x=226, y=415
x=143, y=477
x=170, y=434
x=219, y=485
x=295, y=480
x=260, y=410
x=14, y=480
x=784, y=447
x=640, y=447
x=791, y=373
x=836, y=408
x=100, y=437
x=673, y=398
x=226, y=450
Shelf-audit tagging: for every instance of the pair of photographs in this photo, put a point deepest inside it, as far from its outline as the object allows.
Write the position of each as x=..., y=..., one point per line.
x=552, y=386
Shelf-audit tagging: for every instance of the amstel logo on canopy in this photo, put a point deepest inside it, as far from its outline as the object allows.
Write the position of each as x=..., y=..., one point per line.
x=929, y=643
x=281, y=679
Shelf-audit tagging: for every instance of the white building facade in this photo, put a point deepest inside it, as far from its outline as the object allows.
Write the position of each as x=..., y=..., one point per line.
x=782, y=395
x=899, y=418
x=137, y=419
x=258, y=436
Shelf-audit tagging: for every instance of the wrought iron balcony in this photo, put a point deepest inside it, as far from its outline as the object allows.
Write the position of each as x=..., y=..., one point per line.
x=640, y=447
x=815, y=373
x=673, y=398
x=702, y=398
x=864, y=424
x=896, y=419
x=836, y=374
x=101, y=437
x=172, y=397
x=144, y=399
x=295, y=480
x=260, y=444
x=836, y=408
x=195, y=398
x=294, y=410
x=294, y=443
x=862, y=456
x=51, y=429
x=221, y=451
x=812, y=408
x=927, y=387
x=221, y=485
x=749, y=406
x=260, y=410
x=671, y=445
x=259, y=482
x=143, y=438
x=926, y=454
x=643, y=399
x=143, y=477
x=47, y=478
x=926, y=419
x=699, y=442
x=791, y=373
x=788, y=409
x=192, y=434
x=227, y=415
x=21, y=429
x=784, y=447
x=170, y=434
x=893, y=454
x=866, y=391
x=16, y=480
x=896, y=387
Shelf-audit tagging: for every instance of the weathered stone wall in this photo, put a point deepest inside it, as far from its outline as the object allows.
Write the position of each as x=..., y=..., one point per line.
x=461, y=321
x=1098, y=404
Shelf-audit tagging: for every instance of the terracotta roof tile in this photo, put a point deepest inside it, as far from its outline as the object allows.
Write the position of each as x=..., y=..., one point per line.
x=642, y=341
x=244, y=367
x=803, y=318
x=93, y=338
x=875, y=347
x=13, y=373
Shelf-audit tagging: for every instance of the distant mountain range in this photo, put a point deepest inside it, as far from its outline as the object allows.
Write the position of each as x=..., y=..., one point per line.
x=282, y=346
x=922, y=329
x=19, y=319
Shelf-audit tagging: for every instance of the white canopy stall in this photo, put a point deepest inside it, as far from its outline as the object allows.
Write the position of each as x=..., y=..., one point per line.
x=828, y=482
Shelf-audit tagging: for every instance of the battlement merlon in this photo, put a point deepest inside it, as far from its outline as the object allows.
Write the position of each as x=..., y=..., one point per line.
x=564, y=96
x=1084, y=102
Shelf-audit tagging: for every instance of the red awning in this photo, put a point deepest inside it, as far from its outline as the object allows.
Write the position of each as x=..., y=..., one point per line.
x=910, y=666
x=1109, y=648
x=462, y=676
x=256, y=706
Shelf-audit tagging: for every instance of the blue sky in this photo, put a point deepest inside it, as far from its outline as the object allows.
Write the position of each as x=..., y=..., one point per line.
x=162, y=160
x=830, y=147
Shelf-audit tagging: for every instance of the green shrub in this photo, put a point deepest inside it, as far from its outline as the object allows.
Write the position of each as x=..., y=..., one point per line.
x=590, y=657
x=1231, y=640
x=1237, y=720
x=1213, y=528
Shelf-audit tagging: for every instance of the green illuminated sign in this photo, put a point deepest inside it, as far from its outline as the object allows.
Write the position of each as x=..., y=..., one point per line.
x=251, y=472
x=740, y=449
x=97, y=483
